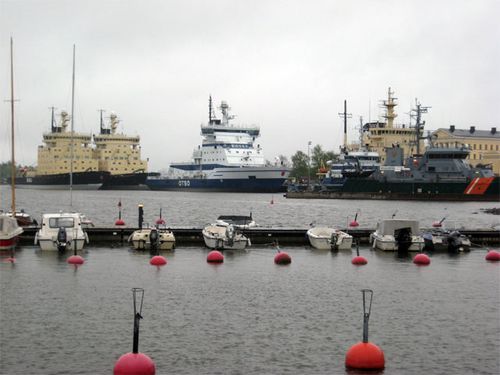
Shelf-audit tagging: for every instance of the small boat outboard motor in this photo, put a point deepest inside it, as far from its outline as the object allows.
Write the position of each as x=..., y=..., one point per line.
x=230, y=235
x=333, y=242
x=428, y=242
x=154, y=239
x=454, y=242
x=403, y=239
x=62, y=239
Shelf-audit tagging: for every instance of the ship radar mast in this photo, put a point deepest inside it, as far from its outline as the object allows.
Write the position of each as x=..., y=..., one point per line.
x=389, y=105
x=416, y=113
x=345, y=116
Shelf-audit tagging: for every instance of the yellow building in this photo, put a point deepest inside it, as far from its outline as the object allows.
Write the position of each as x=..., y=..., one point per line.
x=118, y=153
x=377, y=136
x=56, y=154
x=484, y=145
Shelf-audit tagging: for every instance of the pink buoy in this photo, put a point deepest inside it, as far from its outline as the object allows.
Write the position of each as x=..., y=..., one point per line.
x=134, y=364
x=365, y=356
x=215, y=256
x=119, y=222
x=158, y=260
x=354, y=223
x=160, y=221
x=359, y=260
x=493, y=256
x=282, y=258
x=75, y=259
x=422, y=259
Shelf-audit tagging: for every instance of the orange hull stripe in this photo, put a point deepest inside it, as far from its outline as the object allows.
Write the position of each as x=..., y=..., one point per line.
x=479, y=185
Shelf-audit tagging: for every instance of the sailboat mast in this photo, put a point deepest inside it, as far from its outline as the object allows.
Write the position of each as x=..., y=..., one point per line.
x=13, y=161
x=72, y=130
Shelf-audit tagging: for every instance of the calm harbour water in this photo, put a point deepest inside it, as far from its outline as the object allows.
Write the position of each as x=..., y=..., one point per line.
x=247, y=315
x=183, y=209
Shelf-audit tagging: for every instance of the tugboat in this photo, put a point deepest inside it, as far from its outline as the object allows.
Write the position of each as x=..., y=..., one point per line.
x=119, y=155
x=227, y=161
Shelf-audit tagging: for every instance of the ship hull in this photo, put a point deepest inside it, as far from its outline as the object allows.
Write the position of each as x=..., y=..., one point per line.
x=81, y=181
x=218, y=185
x=479, y=189
x=128, y=181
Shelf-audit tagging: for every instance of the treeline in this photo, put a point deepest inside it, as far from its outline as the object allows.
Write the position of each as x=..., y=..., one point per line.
x=5, y=170
x=304, y=165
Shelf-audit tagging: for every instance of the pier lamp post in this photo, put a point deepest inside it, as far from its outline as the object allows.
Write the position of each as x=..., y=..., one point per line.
x=309, y=165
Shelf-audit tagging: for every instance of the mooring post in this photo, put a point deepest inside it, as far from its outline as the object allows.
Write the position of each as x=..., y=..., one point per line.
x=137, y=317
x=366, y=313
x=141, y=215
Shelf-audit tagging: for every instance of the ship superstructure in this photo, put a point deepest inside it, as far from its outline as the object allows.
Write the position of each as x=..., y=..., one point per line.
x=226, y=160
x=55, y=156
x=120, y=155
x=378, y=135
x=117, y=153
x=223, y=145
x=65, y=158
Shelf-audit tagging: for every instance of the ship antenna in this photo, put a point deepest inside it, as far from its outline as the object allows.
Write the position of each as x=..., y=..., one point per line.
x=345, y=115
x=101, y=111
x=360, y=133
x=72, y=131
x=419, y=124
x=53, y=120
x=210, y=109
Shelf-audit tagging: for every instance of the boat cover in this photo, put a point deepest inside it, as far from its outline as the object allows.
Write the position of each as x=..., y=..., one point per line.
x=388, y=227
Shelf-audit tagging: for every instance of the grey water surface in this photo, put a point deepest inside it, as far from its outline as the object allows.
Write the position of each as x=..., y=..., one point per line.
x=248, y=315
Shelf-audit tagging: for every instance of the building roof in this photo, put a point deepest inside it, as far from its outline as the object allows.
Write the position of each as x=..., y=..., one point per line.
x=476, y=133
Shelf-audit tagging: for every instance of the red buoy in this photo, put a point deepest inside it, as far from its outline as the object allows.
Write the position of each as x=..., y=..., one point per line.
x=359, y=260
x=354, y=223
x=365, y=356
x=493, y=256
x=282, y=258
x=437, y=224
x=134, y=364
x=158, y=260
x=160, y=221
x=119, y=222
x=75, y=259
x=422, y=259
x=215, y=256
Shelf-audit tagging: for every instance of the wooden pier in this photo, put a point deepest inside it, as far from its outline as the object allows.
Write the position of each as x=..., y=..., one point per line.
x=288, y=236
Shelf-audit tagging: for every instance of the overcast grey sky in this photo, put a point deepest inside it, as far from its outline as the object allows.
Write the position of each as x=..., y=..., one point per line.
x=284, y=65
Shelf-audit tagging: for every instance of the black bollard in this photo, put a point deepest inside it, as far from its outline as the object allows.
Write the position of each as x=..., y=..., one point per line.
x=366, y=314
x=137, y=317
x=141, y=215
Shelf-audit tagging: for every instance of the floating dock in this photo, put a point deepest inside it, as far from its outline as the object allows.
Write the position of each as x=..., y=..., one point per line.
x=261, y=236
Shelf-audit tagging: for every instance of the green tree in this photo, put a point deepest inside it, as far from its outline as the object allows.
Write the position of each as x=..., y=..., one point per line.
x=299, y=165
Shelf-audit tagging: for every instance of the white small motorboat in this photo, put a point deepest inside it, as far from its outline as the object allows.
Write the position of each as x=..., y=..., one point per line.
x=238, y=221
x=9, y=232
x=61, y=231
x=442, y=239
x=224, y=237
x=152, y=238
x=397, y=235
x=325, y=238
